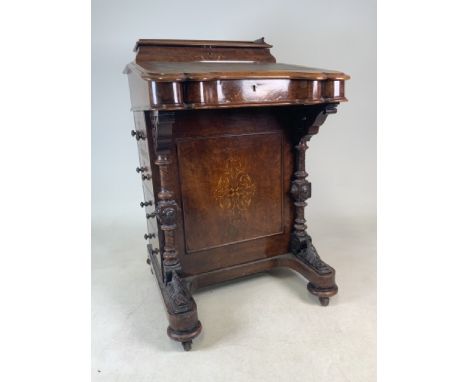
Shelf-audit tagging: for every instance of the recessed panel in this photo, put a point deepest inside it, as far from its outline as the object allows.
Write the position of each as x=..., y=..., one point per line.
x=231, y=189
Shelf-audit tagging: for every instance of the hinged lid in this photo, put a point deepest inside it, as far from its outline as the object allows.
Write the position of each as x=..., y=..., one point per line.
x=187, y=74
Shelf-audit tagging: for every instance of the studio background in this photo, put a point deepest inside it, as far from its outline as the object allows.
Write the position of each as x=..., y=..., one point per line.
x=294, y=337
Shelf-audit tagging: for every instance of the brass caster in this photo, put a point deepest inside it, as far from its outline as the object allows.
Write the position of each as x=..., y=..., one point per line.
x=324, y=301
x=187, y=345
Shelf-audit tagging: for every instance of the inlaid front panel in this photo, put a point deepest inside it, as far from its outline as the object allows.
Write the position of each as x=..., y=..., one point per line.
x=231, y=188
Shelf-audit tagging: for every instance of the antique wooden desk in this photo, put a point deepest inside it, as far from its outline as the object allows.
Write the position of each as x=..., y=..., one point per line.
x=222, y=133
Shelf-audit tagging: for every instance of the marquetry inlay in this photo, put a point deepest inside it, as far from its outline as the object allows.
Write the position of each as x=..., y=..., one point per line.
x=235, y=188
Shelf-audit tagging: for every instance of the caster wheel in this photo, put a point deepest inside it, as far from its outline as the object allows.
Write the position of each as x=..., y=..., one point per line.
x=324, y=301
x=187, y=345
x=148, y=261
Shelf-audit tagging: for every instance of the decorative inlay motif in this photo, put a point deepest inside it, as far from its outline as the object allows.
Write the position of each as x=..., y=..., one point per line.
x=235, y=188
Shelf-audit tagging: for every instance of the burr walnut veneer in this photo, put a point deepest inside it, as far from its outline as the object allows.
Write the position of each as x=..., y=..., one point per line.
x=222, y=132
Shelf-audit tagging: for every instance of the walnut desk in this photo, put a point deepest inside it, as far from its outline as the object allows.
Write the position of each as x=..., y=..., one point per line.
x=222, y=132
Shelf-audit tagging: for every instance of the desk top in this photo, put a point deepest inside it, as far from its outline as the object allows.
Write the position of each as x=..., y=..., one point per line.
x=216, y=70
x=210, y=73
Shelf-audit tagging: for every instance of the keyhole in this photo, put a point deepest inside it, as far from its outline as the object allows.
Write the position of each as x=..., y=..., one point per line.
x=254, y=88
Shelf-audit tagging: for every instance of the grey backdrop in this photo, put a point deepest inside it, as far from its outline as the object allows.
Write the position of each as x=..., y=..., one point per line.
x=336, y=343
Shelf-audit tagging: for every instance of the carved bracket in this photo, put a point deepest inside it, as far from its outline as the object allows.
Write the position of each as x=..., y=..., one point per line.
x=306, y=123
x=180, y=298
x=162, y=131
x=303, y=248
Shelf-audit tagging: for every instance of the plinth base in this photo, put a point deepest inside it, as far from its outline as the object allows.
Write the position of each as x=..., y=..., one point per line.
x=184, y=326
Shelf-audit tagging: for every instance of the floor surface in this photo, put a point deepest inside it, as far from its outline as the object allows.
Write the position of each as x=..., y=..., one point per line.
x=262, y=328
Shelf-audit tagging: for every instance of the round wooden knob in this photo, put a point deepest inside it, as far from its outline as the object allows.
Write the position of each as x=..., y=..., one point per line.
x=138, y=135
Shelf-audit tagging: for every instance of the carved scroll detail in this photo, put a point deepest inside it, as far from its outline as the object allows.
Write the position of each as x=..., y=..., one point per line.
x=180, y=299
x=301, y=189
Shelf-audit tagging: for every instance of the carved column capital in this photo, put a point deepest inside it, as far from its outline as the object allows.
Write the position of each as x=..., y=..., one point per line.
x=162, y=122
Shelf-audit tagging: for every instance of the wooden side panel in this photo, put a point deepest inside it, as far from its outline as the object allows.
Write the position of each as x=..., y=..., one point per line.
x=233, y=185
x=235, y=169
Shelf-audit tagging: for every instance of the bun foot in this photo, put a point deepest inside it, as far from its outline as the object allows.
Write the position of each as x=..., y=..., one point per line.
x=187, y=345
x=324, y=301
x=185, y=337
x=323, y=294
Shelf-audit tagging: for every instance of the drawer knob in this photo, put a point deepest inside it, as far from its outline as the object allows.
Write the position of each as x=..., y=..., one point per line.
x=146, y=177
x=146, y=204
x=141, y=169
x=151, y=215
x=149, y=236
x=138, y=135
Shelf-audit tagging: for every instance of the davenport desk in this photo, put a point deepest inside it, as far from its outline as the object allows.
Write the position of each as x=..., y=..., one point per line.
x=222, y=132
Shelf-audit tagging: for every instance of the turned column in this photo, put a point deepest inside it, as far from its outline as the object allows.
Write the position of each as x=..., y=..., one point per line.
x=166, y=212
x=301, y=189
x=181, y=308
x=166, y=207
x=307, y=124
